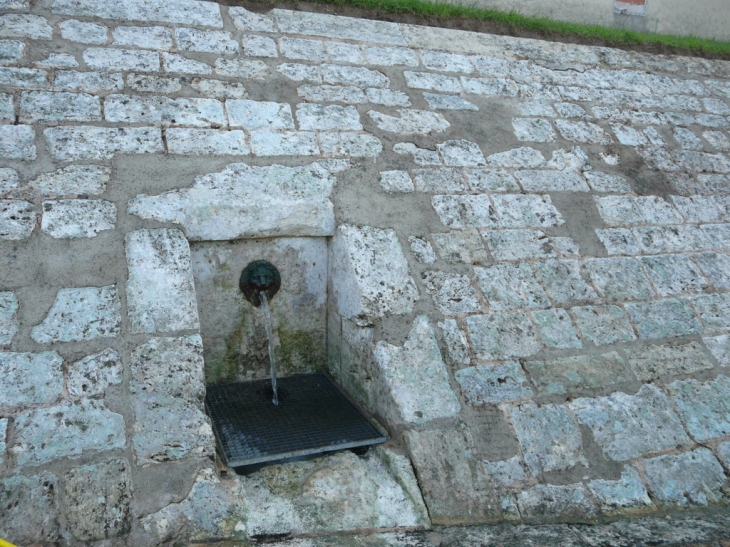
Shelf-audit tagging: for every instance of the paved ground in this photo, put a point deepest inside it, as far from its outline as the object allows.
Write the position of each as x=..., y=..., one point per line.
x=513, y=253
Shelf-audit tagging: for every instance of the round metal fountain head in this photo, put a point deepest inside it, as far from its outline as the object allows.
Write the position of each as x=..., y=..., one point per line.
x=259, y=276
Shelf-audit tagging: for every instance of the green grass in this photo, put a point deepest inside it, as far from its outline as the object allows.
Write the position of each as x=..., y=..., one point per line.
x=541, y=25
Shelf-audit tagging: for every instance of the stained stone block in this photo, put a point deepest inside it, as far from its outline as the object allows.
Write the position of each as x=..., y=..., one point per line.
x=81, y=314
x=66, y=431
x=703, y=407
x=618, y=278
x=30, y=378
x=77, y=218
x=549, y=437
x=206, y=142
x=93, y=374
x=664, y=318
x=259, y=114
x=465, y=211
x=173, y=62
x=719, y=346
x=17, y=142
x=95, y=143
x=189, y=12
x=604, y=324
x=493, y=384
x=510, y=286
x=716, y=267
x=419, y=122
x=616, y=496
x=652, y=362
x=153, y=84
x=619, y=241
x=563, y=281
x=73, y=181
x=452, y=293
x=571, y=374
x=160, y=288
x=439, y=180
x=556, y=329
x=498, y=180
x=422, y=250
x=109, y=483
x=9, y=324
x=461, y=247
x=30, y=508
x=533, y=130
x=526, y=211
x=254, y=202
x=457, y=346
x=692, y=478
x=546, y=501
x=518, y=244
x=629, y=426
x=369, y=274
x=454, y=484
x=502, y=336
x=415, y=380
x=396, y=182
x=714, y=310
x=524, y=157
x=506, y=473
x=17, y=219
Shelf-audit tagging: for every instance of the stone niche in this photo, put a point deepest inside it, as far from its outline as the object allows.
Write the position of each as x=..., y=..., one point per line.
x=233, y=332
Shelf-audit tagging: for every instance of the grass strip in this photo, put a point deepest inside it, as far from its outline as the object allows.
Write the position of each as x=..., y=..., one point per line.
x=541, y=25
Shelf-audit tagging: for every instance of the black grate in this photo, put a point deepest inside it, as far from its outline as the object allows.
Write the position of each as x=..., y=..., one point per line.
x=313, y=416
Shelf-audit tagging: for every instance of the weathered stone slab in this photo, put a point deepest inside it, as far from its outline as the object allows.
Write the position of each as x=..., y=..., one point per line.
x=556, y=328
x=533, y=130
x=391, y=56
x=453, y=483
x=422, y=250
x=522, y=211
x=21, y=25
x=719, y=346
x=97, y=143
x=523, y=156
x=452, y=293
x=259, y=114
x=457, y=345
x=163, y=110
x=81, y=314
x=714, y=310
x=209, y=41
x=434, y=82
x=439, y=180
x=398, y=182
x=3, y=438
x=109, y=483
x=211, y=509
x=326, y=118
x=493, y=384
x=510, y=286
x=692, y=478
x=302, y=49
x=703, y=407
x=518, y=244
x=461, y=247
x=571, y=374
x=604, y=324
x=206, y=142
x=58, y=60
x=564, y=282
x=175, y=63
x=619, y=278
x=75, y=218
x=145, y=83
x=30, y=508
x=9, y=324
x=159, y=38
x=17, y=142
x=218, y=89
x=506, y=473
x=89, y=82
x=502, y=336
x=716, y=268
x=83, y=33
x=419, y=122
x=616, y=496
x=551, y=181
x=465, y=211
x=252, y=201
x=190, y=12
x=121, y=60
x=91, y=375
x=160, y=288
x=66, y=431
x=23, y=77
x=342, y=28
x=46, y=106
x=244, y=19
x=9, y=180
x=664, y=318
x=30, y=378
x=73, y=181
x=629, y=426
x=369, y=274
x=17, y=219
x=547, y=502
x=288, y=143
x=652, y=362
x=350, y=144
x=549, y=437
x=436, y=101
x=416, y=384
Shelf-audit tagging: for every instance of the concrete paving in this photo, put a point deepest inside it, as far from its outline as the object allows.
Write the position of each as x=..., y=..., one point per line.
x=512, y=253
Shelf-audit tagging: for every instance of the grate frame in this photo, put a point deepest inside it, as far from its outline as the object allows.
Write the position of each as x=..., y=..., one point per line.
x=314, y=416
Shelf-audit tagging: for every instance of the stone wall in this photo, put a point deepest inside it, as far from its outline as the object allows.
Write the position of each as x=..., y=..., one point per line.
x=513, y=253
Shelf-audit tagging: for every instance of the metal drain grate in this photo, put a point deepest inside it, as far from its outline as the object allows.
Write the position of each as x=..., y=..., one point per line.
x=313, y=416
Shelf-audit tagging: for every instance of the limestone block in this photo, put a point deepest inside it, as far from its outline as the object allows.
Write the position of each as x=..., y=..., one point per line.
x=652, y=362
x=189, y=12
x=241, y=68
x=492, y=384
x=326, y=118
x=556, y=328
x=206, y=142
x=163, y=110
x=551, y=181
x=619, y=241
x=547, y=502
x=511, y=286
x=440, y=180
x=95, y=143
x=11, y=51
x=616, y=496
x=465, y=211
x=719, y=346
x=23, y=77
x=490, y=86
x=218, y=89
x=716, y=268
x=714, y=310
x=121, y=60
x=249, y=202
x=337, y=492
x=9, y=324
x=415, y=382
x=159, y=38
x=664, y=318
x=703, y=407
x=30, y=508
x=146, y=83
x=17, y=219
x=461, y=247
x=457, y=345
x=97, y=499
x=461, y=153
x=306, y=50
x=73, y=181
x=524, y=157
x=419, y=122
x=89, y=82
x=533, y=130
x=81, y=314
x=259, y=46
x=518, y=244
x=564, y=282
x=502, y=336
x=91, y=375
x=244, y=19
x=604, y=324
x=420, y=246
x=454, y=483
x=17, y=142
x=77, y=218
x=66, y=431
x=350, y=144
x=173, y=62
x=452, y=293
x=370, y=274
x=619, y=278
x=506, y=473
x=387, y=97
x=30, y=378
x=629, y=426
x=396, y=182
x=210, y=41
x=343, y=28
x=391, y=56
x=16, y=25
x=446, y=62
x=8, y=180
x=265, y=142
x=433, y=82
x=160, y=288
x=437, y=101
x=692, y=478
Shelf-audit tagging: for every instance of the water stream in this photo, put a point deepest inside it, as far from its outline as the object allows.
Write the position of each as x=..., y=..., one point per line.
x=270, y=334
